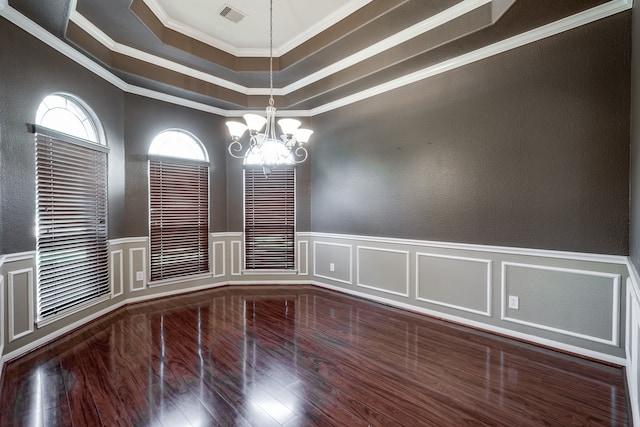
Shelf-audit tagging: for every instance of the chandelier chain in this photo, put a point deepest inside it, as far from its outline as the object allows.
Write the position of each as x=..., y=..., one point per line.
x=265, y=147
x=271, y=52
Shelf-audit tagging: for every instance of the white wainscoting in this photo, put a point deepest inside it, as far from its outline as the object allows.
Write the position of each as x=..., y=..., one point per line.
x=135, y=267
x=458, y=282
x=583, y=299
x=26, y=306
x=219, y=259
x=236, y=258
x=384, y=270
x=317, y=251
x=2, y=324
x=337, y=254
x=303, y=257
x=117, y=273
x=454, y=275
x=632, y=347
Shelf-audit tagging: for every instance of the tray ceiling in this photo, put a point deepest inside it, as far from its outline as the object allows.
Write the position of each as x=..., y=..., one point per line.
x=326, y=53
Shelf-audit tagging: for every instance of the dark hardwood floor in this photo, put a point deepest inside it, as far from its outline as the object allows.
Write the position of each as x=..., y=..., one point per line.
x=302, y=356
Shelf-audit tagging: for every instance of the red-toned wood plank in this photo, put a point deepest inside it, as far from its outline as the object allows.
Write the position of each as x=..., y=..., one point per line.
x=81, y=404
x=299, y=356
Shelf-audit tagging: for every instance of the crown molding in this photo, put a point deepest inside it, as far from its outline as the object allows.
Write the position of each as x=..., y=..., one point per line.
x=337, y=16
x=50, y=40
x=114, y=46
x=599, y=12
x=403, y=36
x=583, y=18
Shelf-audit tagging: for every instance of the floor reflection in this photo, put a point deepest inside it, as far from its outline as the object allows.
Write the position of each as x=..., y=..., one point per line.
x=298, y=357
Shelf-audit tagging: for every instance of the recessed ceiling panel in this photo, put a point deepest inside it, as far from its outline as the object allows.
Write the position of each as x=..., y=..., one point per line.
x=294, y=21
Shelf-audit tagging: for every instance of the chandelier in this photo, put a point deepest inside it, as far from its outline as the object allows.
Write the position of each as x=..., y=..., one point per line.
x=266, y=149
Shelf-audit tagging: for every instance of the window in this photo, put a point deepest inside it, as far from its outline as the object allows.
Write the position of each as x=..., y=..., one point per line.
x=269, y=218
x=71, y=202
x=178, y=206
x=65, y=114
x=177, y=144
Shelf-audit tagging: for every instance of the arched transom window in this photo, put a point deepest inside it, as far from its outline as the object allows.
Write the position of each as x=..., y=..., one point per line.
x=66, y=114
x=179, y=144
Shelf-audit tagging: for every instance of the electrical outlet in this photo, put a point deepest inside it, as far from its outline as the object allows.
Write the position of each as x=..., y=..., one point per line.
x=514, y=302
x=140, y=276
x=332, y=267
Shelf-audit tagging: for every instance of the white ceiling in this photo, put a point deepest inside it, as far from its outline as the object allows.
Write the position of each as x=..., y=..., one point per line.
x=294, y=22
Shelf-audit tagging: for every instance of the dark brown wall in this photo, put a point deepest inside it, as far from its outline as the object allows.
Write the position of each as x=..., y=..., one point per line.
x=144, y=119
x=528, y=148
x=29, y=71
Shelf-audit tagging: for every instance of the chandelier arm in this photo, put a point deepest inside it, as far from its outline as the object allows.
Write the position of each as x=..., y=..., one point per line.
x=236, y=147
x=302, y=153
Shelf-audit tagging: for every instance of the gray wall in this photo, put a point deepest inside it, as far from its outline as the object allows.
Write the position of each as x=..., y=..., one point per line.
x=527, y=149
x=33, y=71
x=29, y=73
x=634, y=243
x=144, y=119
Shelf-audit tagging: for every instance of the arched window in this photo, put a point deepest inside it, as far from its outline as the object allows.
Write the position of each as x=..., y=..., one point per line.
x=67, y=114
x=179, y=144
x=71, y=203
x=178, y=205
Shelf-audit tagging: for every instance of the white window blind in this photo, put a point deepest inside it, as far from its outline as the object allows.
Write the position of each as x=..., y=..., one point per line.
x=71, y=192
x=179, y=218
x=269, y=219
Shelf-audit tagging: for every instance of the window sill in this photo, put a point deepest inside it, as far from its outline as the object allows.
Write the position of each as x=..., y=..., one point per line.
x=40, y=323
x=268, y=272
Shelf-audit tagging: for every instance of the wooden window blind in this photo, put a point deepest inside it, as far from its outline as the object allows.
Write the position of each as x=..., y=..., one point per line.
x=71, y=202
x=179, y=218
x=269, y=219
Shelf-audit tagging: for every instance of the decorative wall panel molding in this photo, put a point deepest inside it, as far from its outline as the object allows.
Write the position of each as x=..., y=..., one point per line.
x=219, y=259
x=452, y=281
x=303, y=257
x=129, y=241
x=632, y=347
x=137, y=264
x=2, y=322
x=502, y=250
x=600, y=277
x=333, y=261
x=236, y=258
x=117, y=273
x=21, y=256
x=21, y=303
x=567, y=301
x=384, y=270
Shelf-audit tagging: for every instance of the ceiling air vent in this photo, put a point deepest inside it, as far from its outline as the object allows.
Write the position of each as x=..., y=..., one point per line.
x=233, y=15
